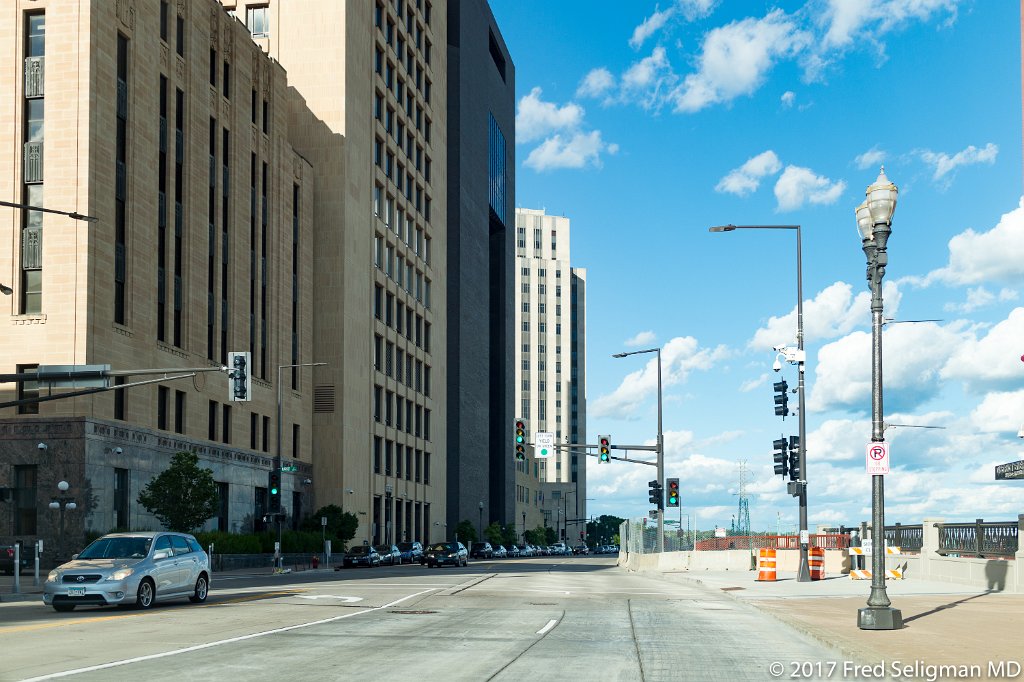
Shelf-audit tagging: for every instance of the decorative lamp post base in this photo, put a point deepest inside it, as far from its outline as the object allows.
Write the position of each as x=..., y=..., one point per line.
x=879, y=618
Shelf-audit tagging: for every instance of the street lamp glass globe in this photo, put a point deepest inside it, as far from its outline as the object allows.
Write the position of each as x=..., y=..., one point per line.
x=63, y=486
x=54, y=505
x=881, y=199
x=71, y=506
x=864, y=222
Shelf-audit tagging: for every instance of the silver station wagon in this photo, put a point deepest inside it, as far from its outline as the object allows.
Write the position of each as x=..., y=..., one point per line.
x=131, y=568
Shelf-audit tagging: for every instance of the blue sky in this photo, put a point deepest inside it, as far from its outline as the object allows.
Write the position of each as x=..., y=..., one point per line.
x=645, y=123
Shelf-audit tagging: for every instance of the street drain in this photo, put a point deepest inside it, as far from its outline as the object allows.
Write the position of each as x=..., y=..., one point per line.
x=542, y=603
x=413, y=613
x=730, y=589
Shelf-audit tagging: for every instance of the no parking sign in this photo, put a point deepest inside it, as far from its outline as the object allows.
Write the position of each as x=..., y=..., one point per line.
x=878, y=458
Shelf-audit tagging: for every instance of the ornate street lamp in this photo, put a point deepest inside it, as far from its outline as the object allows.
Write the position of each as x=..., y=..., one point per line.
x=874, y=221
x=62, y=501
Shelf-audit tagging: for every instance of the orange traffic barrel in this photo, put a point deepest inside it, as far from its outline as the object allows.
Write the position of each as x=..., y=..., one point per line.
x=816, y=562
x=765, y=565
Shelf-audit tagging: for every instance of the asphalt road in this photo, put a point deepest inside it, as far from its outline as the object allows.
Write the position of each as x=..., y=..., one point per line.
x=554, y=617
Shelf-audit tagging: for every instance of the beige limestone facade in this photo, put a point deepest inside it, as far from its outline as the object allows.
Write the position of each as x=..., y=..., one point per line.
x=369, y=80
x=170, y=126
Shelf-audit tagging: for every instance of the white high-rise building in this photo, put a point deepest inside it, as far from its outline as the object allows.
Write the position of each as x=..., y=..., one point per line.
x=550, y=373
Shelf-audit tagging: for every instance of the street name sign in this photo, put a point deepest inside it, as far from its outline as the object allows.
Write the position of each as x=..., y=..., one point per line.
x=877, y=458
x=1011, y=471
x=544, y=444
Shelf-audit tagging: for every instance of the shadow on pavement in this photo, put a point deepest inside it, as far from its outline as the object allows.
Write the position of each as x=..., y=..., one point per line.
x=944, y=607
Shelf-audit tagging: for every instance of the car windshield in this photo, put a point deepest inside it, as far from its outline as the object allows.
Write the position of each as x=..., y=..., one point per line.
x=441, y=547
x=405, y=546
x=478, y=545
x=117, y=548
x=360, y=549
x=383, y=549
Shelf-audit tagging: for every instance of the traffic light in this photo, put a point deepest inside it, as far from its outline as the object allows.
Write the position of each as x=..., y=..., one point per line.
x=274, y=489
x=781, y=398
x=520, y=440
x=673, y=493
x=604, y=449
x=780, y=457
x=239, y=377
x=794, y=458
x=655, y=494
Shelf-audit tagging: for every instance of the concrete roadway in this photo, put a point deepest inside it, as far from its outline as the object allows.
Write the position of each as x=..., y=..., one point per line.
x=551, y=617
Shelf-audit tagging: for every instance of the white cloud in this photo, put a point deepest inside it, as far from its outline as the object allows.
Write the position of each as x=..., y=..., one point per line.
x=748, y=386
x=679, y=357
x=992, y=360
x=696, y=9
x=595, y=84
x=647, y=80
x=843, y=370
x=999, y=412
x=980, y=297
x=644, y=338
x=833, y=312
x=537, y=118
x=746, y=179
x=787, y=99
x=982, y=257
x=872, y=157
x=798, y=186
x=848, y=20
x=650, y=26
x=944, y=164
x=736, y=57
x=577, y=151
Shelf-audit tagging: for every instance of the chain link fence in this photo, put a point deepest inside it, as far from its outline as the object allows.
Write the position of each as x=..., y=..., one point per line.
x=640, y=536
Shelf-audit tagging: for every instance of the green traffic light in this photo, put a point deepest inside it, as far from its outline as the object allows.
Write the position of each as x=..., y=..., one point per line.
x=519, y=439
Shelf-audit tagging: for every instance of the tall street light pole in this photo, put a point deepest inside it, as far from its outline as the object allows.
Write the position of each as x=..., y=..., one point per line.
x=62, y=501
x=660, y=546
x=804, y=572
x=277, y=457
x=874, y=221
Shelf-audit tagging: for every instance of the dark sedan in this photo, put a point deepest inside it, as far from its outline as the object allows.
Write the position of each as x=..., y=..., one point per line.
x=482, y=550
x=411, y=551
x=441, y=553
x=389, y=554
x=361, y=555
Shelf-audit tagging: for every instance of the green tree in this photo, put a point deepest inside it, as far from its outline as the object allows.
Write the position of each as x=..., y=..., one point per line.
x=509, y=535
x=466, y=531
x=550, y=536
x=537, y=536
x=604, y=528
x=183, y=496
x=494, y=533
x=341, y=525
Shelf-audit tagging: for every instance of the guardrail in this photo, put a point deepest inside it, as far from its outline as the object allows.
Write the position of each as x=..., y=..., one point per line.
x=822, y=540
x=908, y=538
x=981, y=538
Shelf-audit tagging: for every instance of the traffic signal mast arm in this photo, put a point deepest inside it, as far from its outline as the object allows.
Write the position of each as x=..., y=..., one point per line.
x=100, y=389
x=581, y=448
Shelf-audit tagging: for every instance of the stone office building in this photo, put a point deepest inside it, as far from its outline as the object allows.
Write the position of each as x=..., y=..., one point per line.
x=169, y=125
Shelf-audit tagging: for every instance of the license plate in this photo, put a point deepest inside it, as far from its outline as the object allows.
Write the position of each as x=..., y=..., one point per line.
x=76, y=591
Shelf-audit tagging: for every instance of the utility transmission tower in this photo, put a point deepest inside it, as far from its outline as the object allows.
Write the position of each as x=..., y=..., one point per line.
x=743, y=518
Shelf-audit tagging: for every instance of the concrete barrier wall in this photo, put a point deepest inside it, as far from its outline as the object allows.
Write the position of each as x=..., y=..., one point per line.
x=724, y=560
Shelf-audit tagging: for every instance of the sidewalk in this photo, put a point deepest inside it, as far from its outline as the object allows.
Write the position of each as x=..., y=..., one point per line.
x=944, y=623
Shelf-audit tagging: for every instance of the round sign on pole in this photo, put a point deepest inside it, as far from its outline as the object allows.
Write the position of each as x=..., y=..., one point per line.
x=877, y=457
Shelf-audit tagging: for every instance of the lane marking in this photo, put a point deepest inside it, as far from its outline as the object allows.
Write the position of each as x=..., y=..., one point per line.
x=551, y=623
x=347, y=600
x=209, y=645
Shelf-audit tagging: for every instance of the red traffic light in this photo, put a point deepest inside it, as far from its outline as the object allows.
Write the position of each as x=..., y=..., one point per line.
x=604, y=441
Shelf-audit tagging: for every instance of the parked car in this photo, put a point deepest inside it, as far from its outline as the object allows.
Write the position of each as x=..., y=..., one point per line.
x=498, y=552
x=525, y=550
x=411, y=551
x=560, y=549
x=441, y=553
x=482, y=550
x=125, y=568
x=513, y=551
x=7, y=558
x=361, y=555
x=581, y=549
x=389, y=554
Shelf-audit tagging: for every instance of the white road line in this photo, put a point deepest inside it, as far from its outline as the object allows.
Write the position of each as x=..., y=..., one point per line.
x=551, y=623
x=209, y=645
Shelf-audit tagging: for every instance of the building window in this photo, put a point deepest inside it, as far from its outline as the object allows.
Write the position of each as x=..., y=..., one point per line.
x=163, y=397
x=266, y=434
x=376, y=454
x=226, y=426
x=25, y=476
x=121, y=497
x=254, y=429
x=119, y=398
x=296, y=440
x=28, y=389
x=257, y=20
x=211, y=432
x=179, y=412
x=179, y=35
x=223, y=500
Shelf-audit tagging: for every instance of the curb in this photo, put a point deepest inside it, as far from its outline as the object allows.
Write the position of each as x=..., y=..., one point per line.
x=21, y=596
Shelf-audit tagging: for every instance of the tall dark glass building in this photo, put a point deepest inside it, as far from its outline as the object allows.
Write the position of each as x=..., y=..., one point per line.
x=481, y=200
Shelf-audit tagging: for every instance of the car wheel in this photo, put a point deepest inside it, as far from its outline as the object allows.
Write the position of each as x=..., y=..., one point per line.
x=202, y=589
x=63, y=608
x=144, y=597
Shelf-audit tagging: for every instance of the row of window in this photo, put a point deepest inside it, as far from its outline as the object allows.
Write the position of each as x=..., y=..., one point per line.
x=391, y=525
x=390, y=311
x=401, y=413
x=393, y=362
x=542, y=327
x=401, y=461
